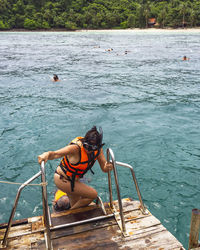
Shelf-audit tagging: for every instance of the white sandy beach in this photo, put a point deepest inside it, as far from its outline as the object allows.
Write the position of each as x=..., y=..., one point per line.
x=149, y=30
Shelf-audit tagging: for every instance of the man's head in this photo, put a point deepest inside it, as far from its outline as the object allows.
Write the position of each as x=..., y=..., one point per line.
x=62, y=203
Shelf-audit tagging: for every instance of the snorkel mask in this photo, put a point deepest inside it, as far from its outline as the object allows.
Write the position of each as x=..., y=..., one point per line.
x=93, y=142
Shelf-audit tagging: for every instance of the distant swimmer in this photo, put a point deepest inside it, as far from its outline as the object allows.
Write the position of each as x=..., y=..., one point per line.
x=109, y=49
x=55, y=78
x=185, y=58
x=126, y=52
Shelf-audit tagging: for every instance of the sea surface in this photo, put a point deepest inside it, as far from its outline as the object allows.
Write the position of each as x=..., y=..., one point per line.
x=134, y=85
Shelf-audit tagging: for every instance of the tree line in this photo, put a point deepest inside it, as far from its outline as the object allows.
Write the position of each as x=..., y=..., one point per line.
x=97, y=14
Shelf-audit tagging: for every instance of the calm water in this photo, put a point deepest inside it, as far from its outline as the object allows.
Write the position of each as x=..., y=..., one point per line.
x=147, y=102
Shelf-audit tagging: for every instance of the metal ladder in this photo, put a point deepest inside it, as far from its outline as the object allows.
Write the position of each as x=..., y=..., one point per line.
x=110, y=154
x=46, y=211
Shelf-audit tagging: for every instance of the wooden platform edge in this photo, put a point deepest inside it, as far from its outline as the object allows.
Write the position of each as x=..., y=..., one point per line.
x=144, y=231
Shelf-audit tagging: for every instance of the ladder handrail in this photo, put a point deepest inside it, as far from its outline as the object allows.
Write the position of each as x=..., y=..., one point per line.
x=4, y=243
x=46, y=213
x=144, y=210
x=45, y=207
x=111, y=154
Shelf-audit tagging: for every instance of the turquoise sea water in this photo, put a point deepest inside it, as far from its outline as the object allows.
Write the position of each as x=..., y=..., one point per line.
x=147, y=102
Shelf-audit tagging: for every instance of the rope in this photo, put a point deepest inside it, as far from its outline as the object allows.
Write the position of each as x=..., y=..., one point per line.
x=17, y=183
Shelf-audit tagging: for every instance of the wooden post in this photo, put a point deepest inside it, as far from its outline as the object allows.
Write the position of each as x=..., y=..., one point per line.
x=194, y=228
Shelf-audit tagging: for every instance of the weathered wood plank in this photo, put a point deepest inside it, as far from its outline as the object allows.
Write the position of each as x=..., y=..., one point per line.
x=35, y=219
x=160, y=240
x=145, y=231
x=15, y=223
x=111, y=238
x=72, y=217
x=82, y=228
x=16, y=231
x=134, y=215
x=139, y=223
x=103, y=224
x=37, y=225
x=95, y=239
x=148, y=233
x=127, y=204
x=25, y=242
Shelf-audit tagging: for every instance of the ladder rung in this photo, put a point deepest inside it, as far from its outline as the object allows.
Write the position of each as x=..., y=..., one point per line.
x=82, y=222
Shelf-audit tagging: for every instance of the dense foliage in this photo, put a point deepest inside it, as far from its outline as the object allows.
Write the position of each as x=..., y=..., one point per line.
x=97, y=14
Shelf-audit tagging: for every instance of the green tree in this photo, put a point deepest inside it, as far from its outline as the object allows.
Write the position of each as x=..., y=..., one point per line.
x=4, y=6
x=111, y=20
x=19, y=7
x=47, y=16
x=147, y=9
x=4, y=25
x=173, y=18
x=192, y=17
x=80, y=20
x=70, y=25
x=140, y=17
x=75, y=14
x=30, y=24
x=59, y=22
x=38, y=17
x=131, y=21
x=19, y=21
x=45, y=25
x=29, y=11
x=124, y=25
x=183, y=10
x=162, y=14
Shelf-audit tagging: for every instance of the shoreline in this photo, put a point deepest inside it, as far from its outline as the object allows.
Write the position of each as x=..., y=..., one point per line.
x=197, y=29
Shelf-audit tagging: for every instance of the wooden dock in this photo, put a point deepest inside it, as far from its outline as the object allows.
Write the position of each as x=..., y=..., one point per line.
x=143, y=231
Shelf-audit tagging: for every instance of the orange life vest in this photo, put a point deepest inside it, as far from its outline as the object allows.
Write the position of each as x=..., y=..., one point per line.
x=85, y=163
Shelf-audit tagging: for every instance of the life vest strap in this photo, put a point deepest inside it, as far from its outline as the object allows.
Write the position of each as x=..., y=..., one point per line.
x=73, y=182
